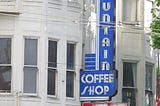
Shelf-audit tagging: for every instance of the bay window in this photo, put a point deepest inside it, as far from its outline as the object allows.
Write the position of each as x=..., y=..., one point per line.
x=130, y=8
x=70, y=75
x=52, y=67
x=5, y=65
x=30, y=66
x=148, y=90
x=129, y=83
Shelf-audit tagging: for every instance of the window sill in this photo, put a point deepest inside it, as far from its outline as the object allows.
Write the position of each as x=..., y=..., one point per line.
x=135, y=23
x=29, y=95
x=6, y=94
x=128, y=87
x=70, y=99
x=148, y=90
x=52, y=96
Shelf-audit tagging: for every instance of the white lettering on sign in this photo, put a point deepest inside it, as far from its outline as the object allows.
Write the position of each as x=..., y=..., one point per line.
x=105, y=66
x=105, y=54
x=105, y=41
x=98, y=90
x=108, y=6
x=96, y=78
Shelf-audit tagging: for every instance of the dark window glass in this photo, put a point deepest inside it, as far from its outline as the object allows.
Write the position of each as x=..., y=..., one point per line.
x=70, y=70
x=52, y=54
x=148, y=76
x=51, y=81
x=129, y=74
x=30, y=57
x=5, y=79
x=70, y=56
x=52, y=65
x=5, y=64
x=5, y=51
x=129, y=96
x=70, y=84
x=30, y=79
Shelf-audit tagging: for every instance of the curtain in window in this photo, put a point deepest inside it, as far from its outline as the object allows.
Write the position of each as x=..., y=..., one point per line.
x=129, y=10
x=129, y=74
x=5, y=64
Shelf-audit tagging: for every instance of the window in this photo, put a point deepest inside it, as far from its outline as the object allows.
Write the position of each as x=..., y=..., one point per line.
x=148, y=98
x=5, y=65
x=148, y=91
x=129, y=83
x=129, y=10
x=70, y=70
x=30, y=66
x=52, y=65
x=129, y=96
x=149, y=69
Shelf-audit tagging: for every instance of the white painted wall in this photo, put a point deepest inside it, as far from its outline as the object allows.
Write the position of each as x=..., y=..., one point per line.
x=42, y=19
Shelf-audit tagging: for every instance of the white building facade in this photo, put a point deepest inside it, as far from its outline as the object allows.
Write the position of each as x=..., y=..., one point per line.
x=40, y=52
x=134, y=58
x=42, y=44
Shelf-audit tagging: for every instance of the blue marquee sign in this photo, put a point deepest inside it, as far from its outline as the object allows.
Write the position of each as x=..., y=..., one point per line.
x=97, y=84
x=98, y=81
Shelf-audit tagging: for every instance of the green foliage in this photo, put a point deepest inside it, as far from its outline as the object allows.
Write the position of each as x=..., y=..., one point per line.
x=155, y=28
x=157, y=2
x=158, y=71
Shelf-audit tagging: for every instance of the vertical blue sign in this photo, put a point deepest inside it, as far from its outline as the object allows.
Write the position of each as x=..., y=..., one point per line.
x=98, y=81
x=105, y=36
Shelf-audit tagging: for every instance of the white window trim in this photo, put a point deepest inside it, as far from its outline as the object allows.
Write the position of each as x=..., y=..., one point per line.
x=74, y=72
x=33, y=66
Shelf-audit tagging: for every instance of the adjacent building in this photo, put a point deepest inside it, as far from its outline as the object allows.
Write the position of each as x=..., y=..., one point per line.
x=134, y=58
x=42, y=47
x=40, y=52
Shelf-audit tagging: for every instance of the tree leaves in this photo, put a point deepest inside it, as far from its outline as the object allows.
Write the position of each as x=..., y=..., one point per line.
x=155, y=28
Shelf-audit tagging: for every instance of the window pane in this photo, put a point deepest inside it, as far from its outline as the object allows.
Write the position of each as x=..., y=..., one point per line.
x=129, y=74
x=148, y=99
x=30, y=52
x=70, y=84
x=5, y=78
x=51, y=81
x=129, y=10
x=70, y=56
x=5, y=51
x=148, y=76
x=52, y=54
x=129, y=95
x=30, y=79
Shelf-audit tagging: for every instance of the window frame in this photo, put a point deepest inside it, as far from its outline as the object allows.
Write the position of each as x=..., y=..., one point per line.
x=3, y=92
x=149, y=91
x=130, y=21
x=71, y=70
x=52, y=68
x=31, y=66
x=134, y=88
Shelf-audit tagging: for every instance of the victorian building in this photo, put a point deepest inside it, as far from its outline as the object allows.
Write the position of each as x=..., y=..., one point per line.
x=40, y=52
x=134, y=58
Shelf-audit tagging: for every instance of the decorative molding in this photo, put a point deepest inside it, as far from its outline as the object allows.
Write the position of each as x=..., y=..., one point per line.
x=74, y=4
x=55, y=2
